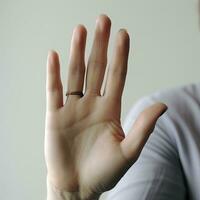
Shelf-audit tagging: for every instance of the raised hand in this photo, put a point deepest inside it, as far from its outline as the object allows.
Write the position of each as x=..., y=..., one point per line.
x=86, y=150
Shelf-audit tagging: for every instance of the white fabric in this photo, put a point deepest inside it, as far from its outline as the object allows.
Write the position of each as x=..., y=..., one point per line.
x=169, y=165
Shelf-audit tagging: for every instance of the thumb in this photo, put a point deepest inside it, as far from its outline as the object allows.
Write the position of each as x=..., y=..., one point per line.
x=144, y=125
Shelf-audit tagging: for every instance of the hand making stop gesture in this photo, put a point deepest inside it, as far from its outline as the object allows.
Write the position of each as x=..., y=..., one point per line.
x=86, y=150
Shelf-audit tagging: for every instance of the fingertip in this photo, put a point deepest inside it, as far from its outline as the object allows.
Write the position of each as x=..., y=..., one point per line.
x=80, y=28
x=123, y=41
x=79, y=35
x=103, y=20
x=162, y=107
x=52, y=59
x=124, y=31
x=52, y=53
x=123, y=34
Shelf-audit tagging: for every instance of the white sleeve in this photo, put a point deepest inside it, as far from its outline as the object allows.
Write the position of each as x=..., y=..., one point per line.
x=157, y=174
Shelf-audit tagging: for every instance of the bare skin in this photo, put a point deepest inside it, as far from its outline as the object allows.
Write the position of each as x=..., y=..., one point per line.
x=86, y=151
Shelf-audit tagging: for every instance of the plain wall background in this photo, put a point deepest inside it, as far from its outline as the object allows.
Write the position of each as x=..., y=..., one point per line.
x=165, y=52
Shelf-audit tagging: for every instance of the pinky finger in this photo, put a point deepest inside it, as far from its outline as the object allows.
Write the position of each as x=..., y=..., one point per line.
x=54, y=91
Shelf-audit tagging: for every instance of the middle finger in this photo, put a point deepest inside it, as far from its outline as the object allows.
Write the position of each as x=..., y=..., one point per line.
x=98, y=57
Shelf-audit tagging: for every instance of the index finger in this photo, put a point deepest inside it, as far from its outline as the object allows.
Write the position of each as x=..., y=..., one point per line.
x=118, y=67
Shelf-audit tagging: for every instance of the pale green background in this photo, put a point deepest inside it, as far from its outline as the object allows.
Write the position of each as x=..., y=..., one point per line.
x=165, y=52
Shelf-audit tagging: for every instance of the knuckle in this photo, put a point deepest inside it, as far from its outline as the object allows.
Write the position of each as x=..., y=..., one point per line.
x=92, y=92
x=54, y=88
x=98, y=62
x=122, y=74
x=142, y=120
x=119, y=71
x=77, y=69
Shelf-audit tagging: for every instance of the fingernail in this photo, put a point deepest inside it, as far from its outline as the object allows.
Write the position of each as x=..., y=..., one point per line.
x=123, y=29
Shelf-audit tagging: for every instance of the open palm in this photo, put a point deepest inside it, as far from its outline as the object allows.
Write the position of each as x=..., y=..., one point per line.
x=86, y=150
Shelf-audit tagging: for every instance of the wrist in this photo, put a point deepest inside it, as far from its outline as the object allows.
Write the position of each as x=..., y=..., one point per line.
x=54, y=193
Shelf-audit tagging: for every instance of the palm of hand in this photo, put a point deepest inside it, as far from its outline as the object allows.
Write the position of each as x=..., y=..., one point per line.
x=85, y=147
